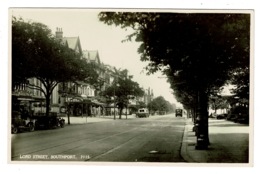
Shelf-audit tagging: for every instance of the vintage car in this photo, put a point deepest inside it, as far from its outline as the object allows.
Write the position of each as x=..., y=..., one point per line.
x=22, y=122
x=143, y=112
x=178, y=112
x=48, y=122
x=221, y=116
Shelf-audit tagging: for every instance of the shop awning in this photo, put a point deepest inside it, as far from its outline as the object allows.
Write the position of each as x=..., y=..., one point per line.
x=74, y=100
x=27, y=98
x=111, y=106
x=97, y=103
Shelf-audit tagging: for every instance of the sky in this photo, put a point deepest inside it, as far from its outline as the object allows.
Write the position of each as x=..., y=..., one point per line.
x=95, y=35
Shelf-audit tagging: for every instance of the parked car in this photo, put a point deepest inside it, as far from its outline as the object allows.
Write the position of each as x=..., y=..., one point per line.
x=48, y=122
x=239, y=114
x=21, y=122
x=143, y=112
x=242, y=118
x=231, y=117
x=221, y=116
x=213, y=115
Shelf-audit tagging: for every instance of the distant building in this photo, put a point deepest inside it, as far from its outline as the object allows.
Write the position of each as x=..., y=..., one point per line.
x=148, y=96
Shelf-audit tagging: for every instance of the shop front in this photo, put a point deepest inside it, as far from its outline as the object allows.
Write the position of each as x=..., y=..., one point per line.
x=97, y=108
x=27, y=104
x=79, y=106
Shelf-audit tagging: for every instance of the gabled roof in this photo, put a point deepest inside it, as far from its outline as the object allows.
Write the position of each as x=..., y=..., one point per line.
x=92, y=56
x=85, y=54
x=73, y=43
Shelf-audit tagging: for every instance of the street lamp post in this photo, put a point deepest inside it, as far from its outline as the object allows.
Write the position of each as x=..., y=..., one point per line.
x=66, y=98
x=68, y=111
x=126, y=110
x=114, y=104
x=128, y=97
x=116, y=85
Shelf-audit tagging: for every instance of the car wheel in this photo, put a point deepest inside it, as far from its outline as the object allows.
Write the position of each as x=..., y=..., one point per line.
x=36, y=125
x=14, y=130
x=31, y=127
x=62, y=123
x=48, y=125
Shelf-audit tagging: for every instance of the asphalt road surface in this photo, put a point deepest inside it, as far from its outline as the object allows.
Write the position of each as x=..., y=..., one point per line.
x=153, y=139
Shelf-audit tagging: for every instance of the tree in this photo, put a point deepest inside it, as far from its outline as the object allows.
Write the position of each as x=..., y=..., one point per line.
x=218, y=102
x=36, y=53
x=122, y=89
x=159, y=104
x=196, y=51
x=241, y=79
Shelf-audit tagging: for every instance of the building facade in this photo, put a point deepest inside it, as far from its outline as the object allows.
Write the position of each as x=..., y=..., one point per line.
x=76, y=98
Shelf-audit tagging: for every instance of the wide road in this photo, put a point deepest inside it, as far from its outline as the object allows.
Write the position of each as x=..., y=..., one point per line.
x=153, y=139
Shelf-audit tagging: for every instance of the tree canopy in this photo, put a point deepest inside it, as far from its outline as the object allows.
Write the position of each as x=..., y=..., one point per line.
x=199, y=52
x=37, y=53
x=122, y=89
x=159, y=104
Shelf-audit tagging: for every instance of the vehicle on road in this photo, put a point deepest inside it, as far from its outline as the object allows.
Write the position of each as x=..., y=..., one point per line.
x=178, y=112
x=143, y=112
x=242, y=118
x=239, y=114
x=48, y=122
x=238, y=118
x=213, y=115
x=21, y=122
x=221, y=116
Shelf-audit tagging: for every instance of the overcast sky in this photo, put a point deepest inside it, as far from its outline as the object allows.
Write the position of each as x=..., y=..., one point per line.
x=95, y=35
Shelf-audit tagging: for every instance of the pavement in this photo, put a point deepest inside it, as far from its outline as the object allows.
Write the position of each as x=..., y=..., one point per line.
x=229, y=143
x=83, y=119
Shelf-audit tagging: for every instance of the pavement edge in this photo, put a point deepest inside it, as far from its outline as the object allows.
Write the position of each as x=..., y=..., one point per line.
x=185, y=141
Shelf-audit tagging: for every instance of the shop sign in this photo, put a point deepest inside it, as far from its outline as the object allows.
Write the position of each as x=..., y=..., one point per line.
x=73, y=99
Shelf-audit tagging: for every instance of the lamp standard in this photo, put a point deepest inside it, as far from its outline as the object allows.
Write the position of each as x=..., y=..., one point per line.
x=127, y=102
x=66, y=99
x=114, y=103
x=116, y=85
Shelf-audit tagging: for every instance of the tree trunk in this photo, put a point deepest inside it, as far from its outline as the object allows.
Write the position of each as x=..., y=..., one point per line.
x=202, y=121
x=120, y=112
x=126, y=112
x=194, y=114
x=68, y=113
x=48, y=99
x=215, y=106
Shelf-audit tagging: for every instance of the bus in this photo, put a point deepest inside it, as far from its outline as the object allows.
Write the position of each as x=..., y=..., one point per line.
x=143, y=112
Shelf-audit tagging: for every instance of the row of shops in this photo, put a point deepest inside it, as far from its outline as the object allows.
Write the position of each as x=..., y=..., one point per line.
x=76, y=106
x=79, y=106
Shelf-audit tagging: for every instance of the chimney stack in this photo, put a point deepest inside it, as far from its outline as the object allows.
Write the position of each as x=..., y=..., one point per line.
x=59, y=33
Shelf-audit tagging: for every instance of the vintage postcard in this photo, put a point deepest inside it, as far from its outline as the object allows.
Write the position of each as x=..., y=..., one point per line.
x=131, y=86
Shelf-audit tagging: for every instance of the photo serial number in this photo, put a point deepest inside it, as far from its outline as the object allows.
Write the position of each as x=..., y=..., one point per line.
x=85, y=157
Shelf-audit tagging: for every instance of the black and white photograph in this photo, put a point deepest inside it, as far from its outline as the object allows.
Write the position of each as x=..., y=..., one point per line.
x=139, y=86
x=118, y=86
